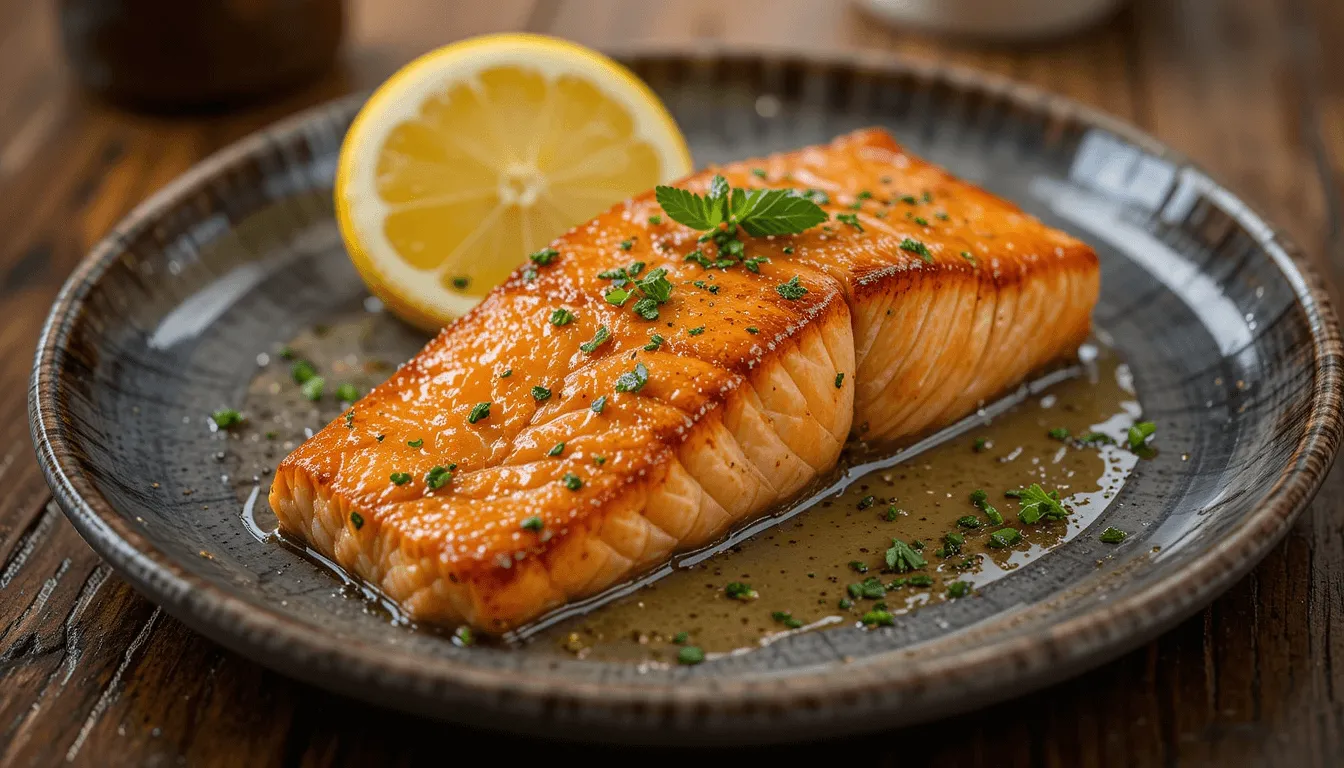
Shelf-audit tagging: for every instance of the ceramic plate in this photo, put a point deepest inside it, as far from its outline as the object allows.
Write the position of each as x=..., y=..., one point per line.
x=1232, y=347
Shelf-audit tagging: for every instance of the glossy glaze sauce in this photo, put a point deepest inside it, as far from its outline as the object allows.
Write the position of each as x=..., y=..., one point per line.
x=821, y=561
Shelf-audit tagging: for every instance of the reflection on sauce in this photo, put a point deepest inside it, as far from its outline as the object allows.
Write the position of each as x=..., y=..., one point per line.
x=822, y=562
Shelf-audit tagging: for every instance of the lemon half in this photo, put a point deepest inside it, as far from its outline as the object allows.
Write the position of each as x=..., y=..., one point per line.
x=481, y=152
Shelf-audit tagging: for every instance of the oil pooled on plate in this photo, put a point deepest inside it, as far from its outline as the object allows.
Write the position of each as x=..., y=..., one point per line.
x=828, y=563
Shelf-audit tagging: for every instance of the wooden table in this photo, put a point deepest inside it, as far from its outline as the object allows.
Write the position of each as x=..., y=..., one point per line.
x=92, y=673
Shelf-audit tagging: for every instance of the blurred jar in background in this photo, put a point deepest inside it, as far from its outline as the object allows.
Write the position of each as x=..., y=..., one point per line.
x=994, y=19
x=187, y=54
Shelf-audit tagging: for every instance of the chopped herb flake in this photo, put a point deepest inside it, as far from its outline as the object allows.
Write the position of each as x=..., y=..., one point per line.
x=969, y=521
x=302, y=371
x=627, y=244
x=633, y=381
x=540, y=393
x=655, y=219
x=616, y=297
x=226, y=418
x=877, y=618
x=533, y=523
x=416, y=443
x=400, y=478
x=753, y=330
x=792, y=290
x=357, y=520
x=312, y=388
x=958, y=589
x=1037, y=504
x=561, y=316
x=858, y=565
x=646, y=308
x=599, y=338
x=980, y=499
x=980, y=445
x=347, y=392
x=1004, y=537
x=655, y=341
x=556, y=449
x=852, y=219
x=544, y=256
x=902, y=557
x=479, y=411
x=1139, y=434
x=967, y=256
x=786, y=618
x=598, y=404
x=917, y=248
x=572, y=481
x=461, y=282
x=737, y=590
x=839, y=380
x=690, y=656
x=1059, y=433
x=1113, y=536
x=696, y=331
x=437, y=477
x=463, y=636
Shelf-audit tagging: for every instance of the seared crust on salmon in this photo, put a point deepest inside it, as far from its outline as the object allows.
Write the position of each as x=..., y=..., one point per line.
x=936, y=297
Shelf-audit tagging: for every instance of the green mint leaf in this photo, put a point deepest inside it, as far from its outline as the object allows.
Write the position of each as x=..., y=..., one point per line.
x=686, y=207
x=775, y=212
x=1037, y=504
x=600, y=338
x=655, y=285
x=633, y=381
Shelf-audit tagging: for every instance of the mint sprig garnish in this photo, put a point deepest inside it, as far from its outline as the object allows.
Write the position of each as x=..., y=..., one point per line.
x=759, y=212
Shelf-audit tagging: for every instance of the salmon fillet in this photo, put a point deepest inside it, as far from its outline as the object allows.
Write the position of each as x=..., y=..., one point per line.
x=937, y=297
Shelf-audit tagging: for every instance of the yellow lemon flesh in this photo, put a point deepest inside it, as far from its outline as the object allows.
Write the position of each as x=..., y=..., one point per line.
x=481, y=152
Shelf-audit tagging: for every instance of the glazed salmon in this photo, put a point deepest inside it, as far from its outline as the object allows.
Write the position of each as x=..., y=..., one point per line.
x=515, y=465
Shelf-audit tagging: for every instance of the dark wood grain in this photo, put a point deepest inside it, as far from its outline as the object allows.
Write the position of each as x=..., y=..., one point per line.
x=90, y=672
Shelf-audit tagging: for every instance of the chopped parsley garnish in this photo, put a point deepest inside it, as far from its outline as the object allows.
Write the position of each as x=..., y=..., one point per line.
x=786, y=618
x=980, y=499
x=753, y=330
x=1037, y=504
x=909, y=200
x=599, y=338
x=479, y=411
x=347, y=392
x=845, y=604
x=540, y=393
x=902, y=557
x=646, y=308
x=1113, y=536
x=655, y=219
x=704, y=286
x=980, y=445
x=941, y=216
x=967, y=256
x=892, y=513
x=958, y=589
x=226, y=418
x=416, y=443
x=633, y=381
x=655, y=341
x=287, y=353
x=599, y=404
x=699, y=258
x=544, y=256
x=616, y=297
x=758, y=173
x=357, y=520
x=634, y=268
x=754, y=263
x=866, y=502
x=690, y=655
x=737, y=590
x=1004, y=537
x=681, y=638
x=506, y=374
x=302, y=372
x=655, y=285
x=920, y=580
x=921, y=221
x=919, y=249
x=792, y=290
x=951, y=545
x=869, y=588
x=463, y=636
x=1059, y=433
x=533, y=523
x=599, y=460
x=561, y=316
x=852, y=219
x=696, y=331
x=927, y=196
x=839, y=380
x=350, y=419
x=858, y=565
x=1139, y=434
x=787, y=250
x=461, y=281
x=556, y=449
x=400, y=478
x=530, y=274
x=878, y=618
x=627, y=244
x=1096, y=438
x=437, y=477
x=969, y=521
x=312, y=388
x=572, y=481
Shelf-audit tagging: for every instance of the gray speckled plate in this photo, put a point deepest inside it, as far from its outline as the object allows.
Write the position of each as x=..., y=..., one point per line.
x=1233, y=348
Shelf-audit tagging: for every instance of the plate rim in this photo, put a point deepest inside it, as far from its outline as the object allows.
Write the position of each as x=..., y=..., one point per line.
x=878, y=689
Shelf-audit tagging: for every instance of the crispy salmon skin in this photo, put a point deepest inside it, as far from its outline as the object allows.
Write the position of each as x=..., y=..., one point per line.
x=527, y=457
